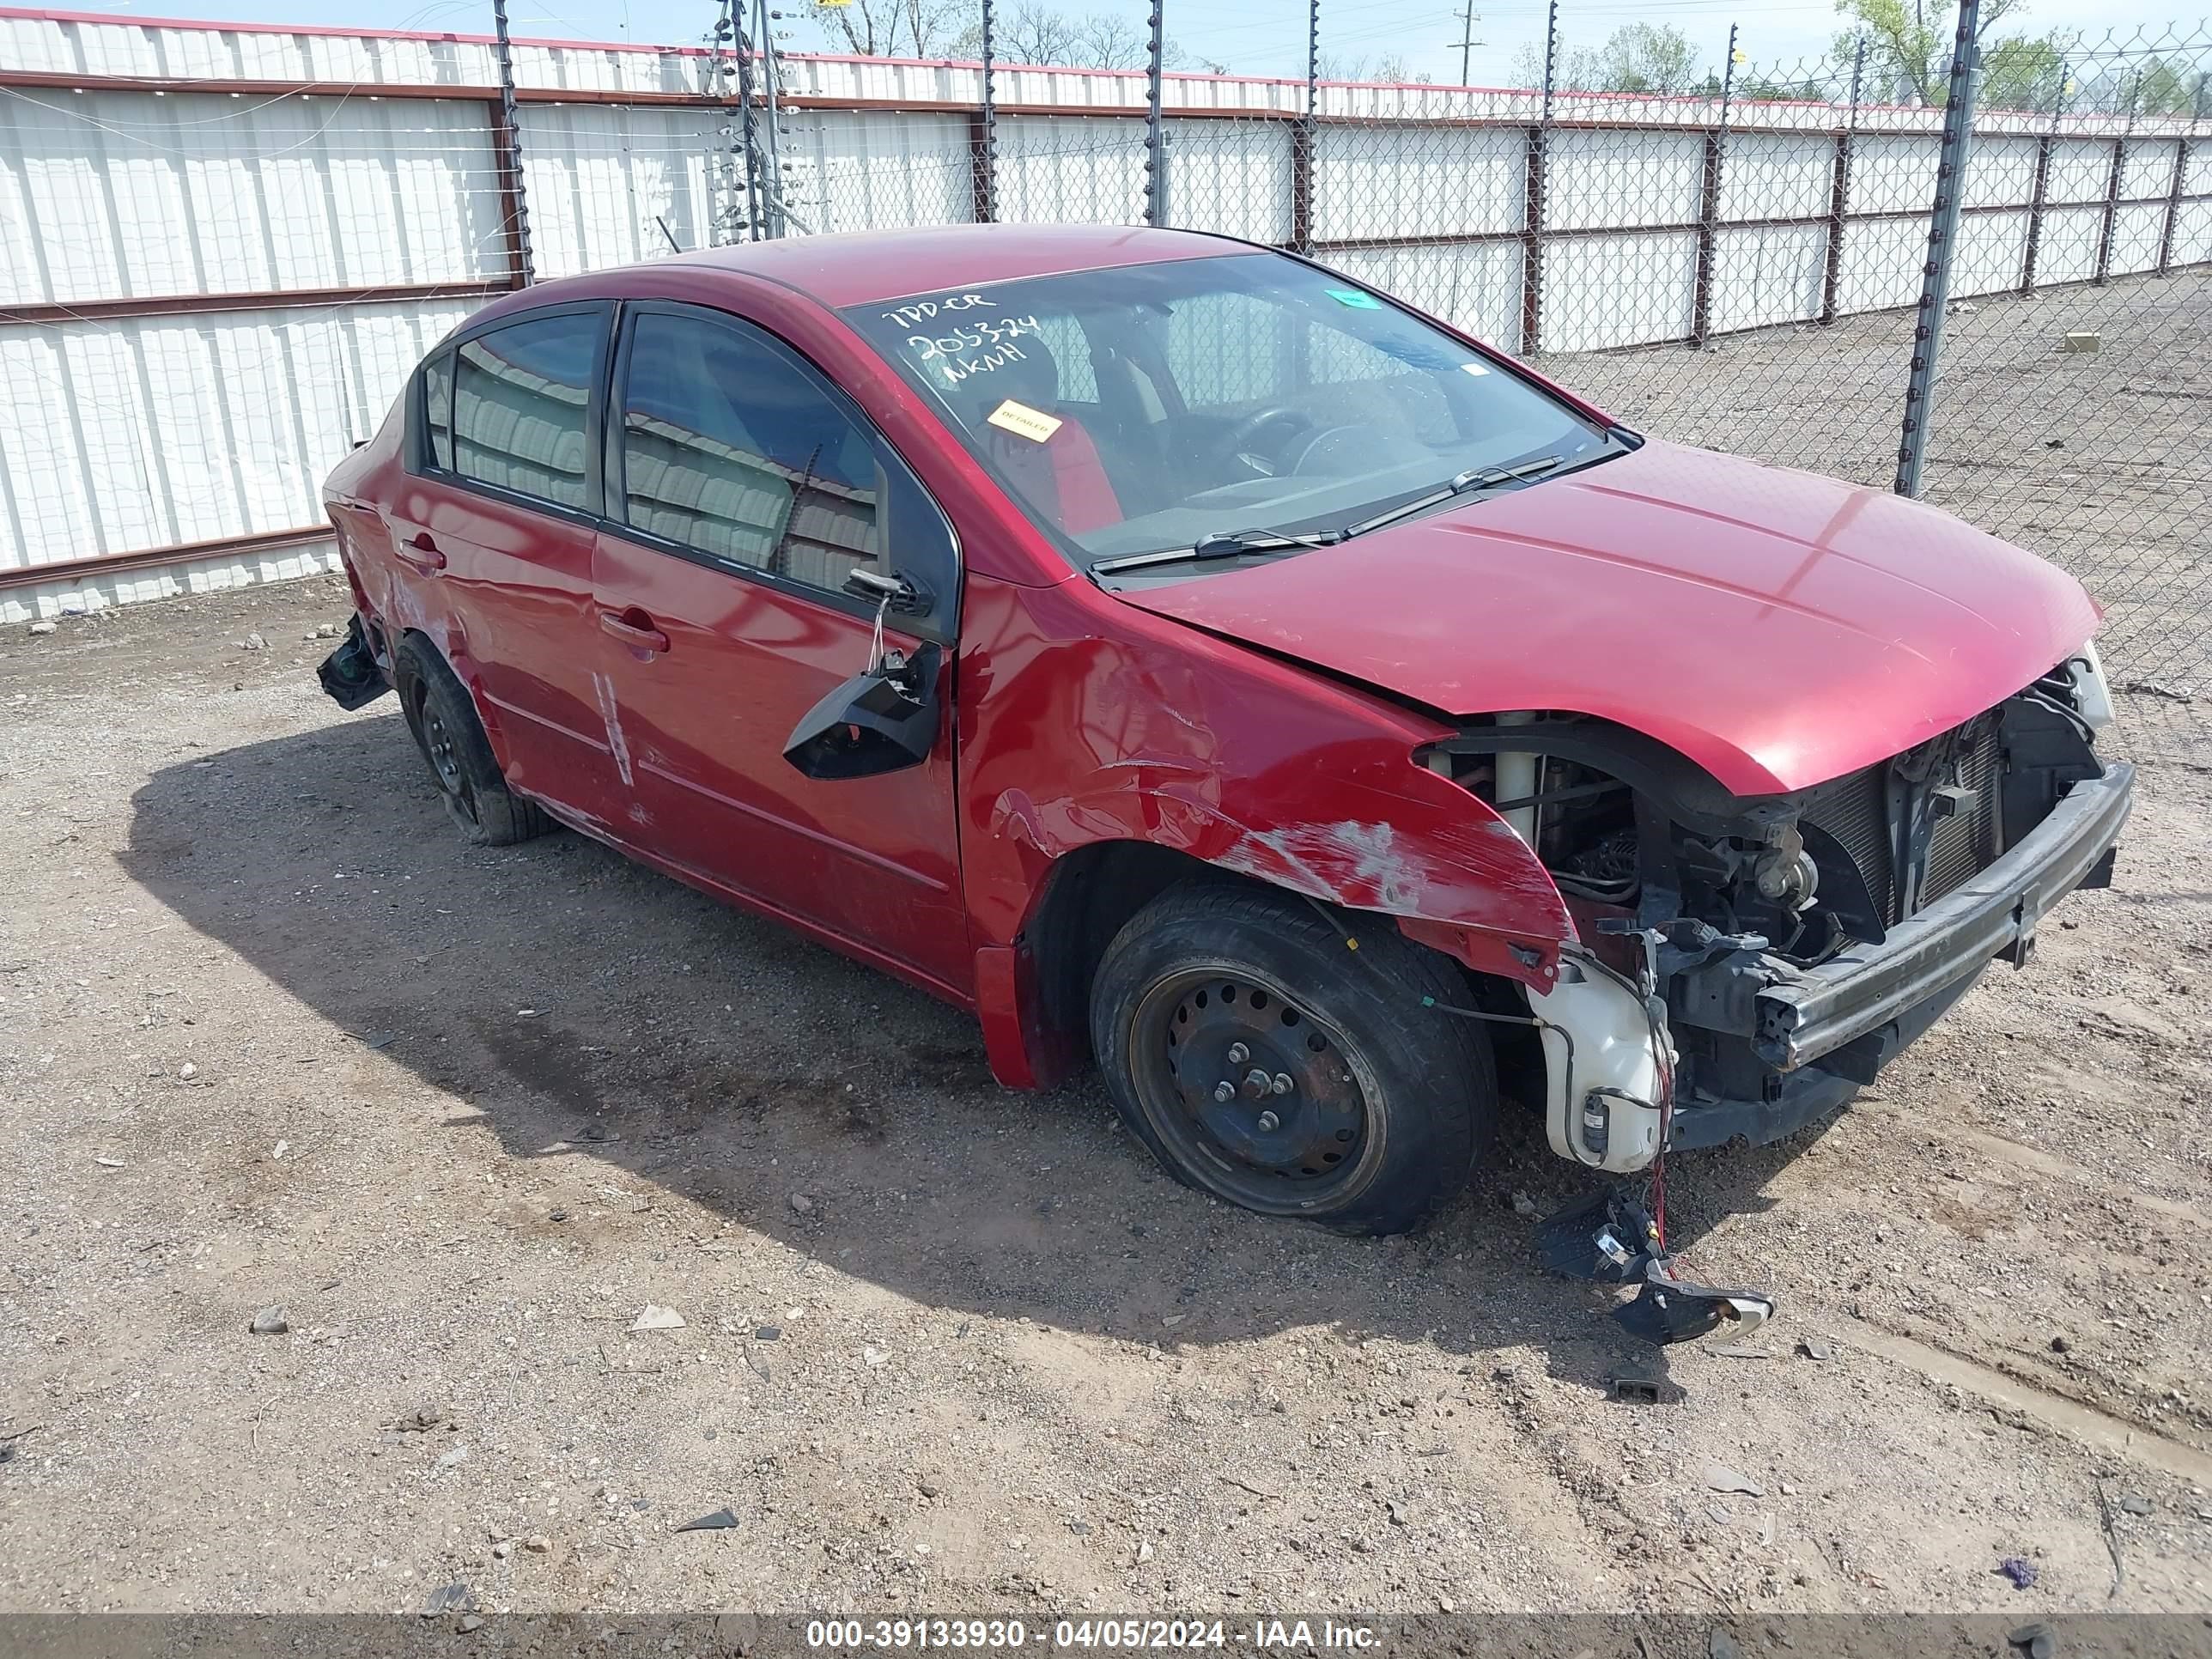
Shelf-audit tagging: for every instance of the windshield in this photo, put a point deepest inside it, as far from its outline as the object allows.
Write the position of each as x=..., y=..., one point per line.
x=1144, y=408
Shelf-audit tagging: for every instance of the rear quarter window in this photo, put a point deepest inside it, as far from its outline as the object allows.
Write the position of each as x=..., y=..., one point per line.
x=438, y=410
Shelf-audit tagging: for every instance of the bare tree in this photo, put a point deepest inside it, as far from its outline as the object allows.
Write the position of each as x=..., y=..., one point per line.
x=1028, y=33
x=1032, y=33
x=1105, y=41
x=891, y=29
x=1529, y=67
x=1389, y=66
x=1636, y=58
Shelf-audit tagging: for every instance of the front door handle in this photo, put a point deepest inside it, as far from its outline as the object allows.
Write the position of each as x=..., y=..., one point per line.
x=422, y=551
x=635, y=630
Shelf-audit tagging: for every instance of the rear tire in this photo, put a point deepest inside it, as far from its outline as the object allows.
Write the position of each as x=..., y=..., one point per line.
x=451, y=739
x=1263, y=1061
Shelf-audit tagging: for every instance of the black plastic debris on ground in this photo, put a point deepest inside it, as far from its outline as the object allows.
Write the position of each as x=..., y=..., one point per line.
x=1640, y=1388
x=714, y=1522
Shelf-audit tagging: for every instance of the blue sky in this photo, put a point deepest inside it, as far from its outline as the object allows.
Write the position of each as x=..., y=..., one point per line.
x=1254, y=37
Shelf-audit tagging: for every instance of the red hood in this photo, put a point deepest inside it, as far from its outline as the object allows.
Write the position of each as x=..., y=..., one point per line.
x=1777, y=628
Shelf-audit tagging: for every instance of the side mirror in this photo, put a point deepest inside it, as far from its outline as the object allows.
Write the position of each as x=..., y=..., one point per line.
x=896, y=593
x=876, y=722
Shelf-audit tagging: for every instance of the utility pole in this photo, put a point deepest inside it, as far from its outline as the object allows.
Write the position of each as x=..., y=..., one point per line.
x=1467, y=40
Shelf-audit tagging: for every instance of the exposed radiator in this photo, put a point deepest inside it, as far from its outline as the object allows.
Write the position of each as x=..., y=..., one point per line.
x=1855, y=811
x=1961, y=848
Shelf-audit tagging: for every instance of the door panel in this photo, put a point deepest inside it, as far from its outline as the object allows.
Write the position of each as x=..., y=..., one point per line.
x=747, y=490
x=520, y=584
x=497, y=527
x=703, y=723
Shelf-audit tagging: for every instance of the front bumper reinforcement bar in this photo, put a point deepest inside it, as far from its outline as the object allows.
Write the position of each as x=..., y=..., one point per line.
x=1818, y=1010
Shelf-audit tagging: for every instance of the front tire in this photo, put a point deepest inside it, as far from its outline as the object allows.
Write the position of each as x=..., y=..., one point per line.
x=1263, y=1061
x=444, y=721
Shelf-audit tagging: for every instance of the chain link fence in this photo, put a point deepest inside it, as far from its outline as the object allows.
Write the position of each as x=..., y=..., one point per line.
x=1737, y=256
x=2071, y=382
x=1742, y=259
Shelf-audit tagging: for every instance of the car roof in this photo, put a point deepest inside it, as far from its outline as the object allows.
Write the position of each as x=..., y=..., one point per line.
x=860, y=267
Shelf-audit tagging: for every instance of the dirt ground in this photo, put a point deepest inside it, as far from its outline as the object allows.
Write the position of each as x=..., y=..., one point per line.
x=269, y=1034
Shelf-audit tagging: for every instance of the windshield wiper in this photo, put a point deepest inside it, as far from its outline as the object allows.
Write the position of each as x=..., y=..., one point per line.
x=1232, y=543
x=1479, y=477
x=1219, y=544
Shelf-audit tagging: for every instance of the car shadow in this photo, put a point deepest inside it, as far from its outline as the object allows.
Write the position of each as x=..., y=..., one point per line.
x=587, y=1011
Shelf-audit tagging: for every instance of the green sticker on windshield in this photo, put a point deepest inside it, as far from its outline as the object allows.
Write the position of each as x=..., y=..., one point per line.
x=1355, y=298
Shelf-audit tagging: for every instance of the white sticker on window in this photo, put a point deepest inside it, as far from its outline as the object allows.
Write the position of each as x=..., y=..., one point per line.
x=1023, y=422
x=1476, y=368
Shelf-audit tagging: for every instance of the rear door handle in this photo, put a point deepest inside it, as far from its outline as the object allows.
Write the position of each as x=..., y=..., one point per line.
x=635, y=630
x=421, y=550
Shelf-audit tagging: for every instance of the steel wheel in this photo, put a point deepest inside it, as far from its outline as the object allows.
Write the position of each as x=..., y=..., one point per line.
x=1241, y=1079
x=441, y=748
x=1259, y=1058
x=443, y=721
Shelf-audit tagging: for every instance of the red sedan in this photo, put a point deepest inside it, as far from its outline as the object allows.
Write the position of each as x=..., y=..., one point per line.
x=1190, y=658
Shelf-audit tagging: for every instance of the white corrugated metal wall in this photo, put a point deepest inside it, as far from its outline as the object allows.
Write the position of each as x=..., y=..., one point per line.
x=138, y=413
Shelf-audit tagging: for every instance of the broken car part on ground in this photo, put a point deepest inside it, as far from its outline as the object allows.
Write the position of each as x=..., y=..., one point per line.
x=1316, y=720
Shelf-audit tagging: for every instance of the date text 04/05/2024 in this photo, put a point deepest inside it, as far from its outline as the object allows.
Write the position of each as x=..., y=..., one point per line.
x=1168, y=1634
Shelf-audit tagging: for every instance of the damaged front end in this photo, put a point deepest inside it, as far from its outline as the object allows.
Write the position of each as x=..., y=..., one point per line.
x=1749, y=963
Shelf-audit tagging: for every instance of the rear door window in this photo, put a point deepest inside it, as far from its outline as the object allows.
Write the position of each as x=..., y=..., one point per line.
x=522, y=399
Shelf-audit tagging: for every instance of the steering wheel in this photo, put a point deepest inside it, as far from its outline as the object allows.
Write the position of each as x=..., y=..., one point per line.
x=1235, y=443
x=1329, y=451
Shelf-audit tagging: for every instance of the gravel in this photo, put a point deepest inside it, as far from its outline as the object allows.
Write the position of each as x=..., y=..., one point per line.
x=238, y=879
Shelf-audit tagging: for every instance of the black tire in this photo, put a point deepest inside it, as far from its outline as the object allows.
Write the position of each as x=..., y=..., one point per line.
x=1387, y=1103
x=451, y=739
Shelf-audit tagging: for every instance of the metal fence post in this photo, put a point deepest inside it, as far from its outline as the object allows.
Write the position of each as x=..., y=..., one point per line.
x=2039, y=191
x=1155, y=137
x=756, y=183
x=1840, y=191
x=2112, y=183
x=1942, y=247
x=2182, y=146
x=506, y=147
x=1532, y=233
x=731, y=63
x=987, y=133
x=2172, y=206
x=1709, y=208
x=771, y=164
x=1302, y=138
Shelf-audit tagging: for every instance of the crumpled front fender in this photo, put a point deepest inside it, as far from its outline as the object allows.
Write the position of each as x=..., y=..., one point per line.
x=1239, y=761
x=1434, y=857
